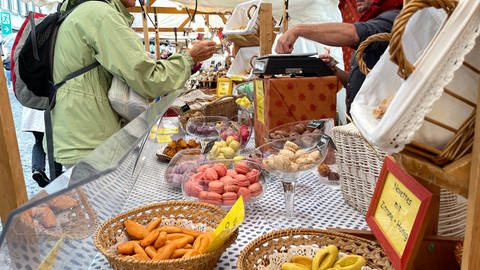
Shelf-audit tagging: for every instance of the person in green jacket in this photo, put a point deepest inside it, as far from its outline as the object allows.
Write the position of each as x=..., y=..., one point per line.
x=101, y=31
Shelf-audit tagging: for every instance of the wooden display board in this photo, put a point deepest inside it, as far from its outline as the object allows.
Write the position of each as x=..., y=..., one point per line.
x=12, y=192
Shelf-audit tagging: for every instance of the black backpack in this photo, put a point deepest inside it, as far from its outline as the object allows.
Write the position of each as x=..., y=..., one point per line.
x=32, y=66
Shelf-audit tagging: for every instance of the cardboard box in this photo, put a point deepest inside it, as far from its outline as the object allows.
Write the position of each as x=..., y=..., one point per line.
x=284, y=100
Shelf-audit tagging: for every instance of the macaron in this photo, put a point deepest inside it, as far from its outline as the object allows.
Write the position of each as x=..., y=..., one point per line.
x=211, y=174
x=221, y=169
x=198, y=176
x=229, y=197
x=226, y=178
x=231, y=188
x=192, y=188
x=214, y=198
x=253, y=176
x=255, y=189
x=216, y=186
x=203, y=168
x=231, y=172
x=245, y=193
x=241, y=167
x=241, y=180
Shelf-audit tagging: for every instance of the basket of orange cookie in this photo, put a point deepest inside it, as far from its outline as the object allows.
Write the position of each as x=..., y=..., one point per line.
x=169, y=235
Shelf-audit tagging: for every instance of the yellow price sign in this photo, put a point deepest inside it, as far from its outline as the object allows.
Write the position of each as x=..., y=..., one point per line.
x=163, y=139
x=167, y=130
x=228, y=225
x=260, y=101
x=224, y=87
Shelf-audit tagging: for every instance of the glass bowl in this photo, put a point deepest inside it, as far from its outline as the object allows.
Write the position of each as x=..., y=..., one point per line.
x=183, y=162
x=223, y=182
x=289, y=130
x=239, y=127
x=205, y=127
x=286, y=159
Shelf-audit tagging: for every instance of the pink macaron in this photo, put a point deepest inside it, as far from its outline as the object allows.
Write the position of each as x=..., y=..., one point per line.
x=231, y=188
x=192, y=188
x=245, y=193
x=226, y=178
x=203, y=168
x=216, y=186
x=241, y=167
x=214, y=198
x=255, y=189
x=221, y=169
x=211, y=174
x=231, y=172
x=241, y=180
x=229, y=197
x=253, y=176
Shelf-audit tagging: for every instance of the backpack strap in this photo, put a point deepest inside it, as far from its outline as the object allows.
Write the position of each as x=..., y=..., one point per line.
x=34, y=36
x=48, y=117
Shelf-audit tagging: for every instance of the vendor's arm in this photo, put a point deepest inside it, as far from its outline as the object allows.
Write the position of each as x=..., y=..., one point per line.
x=331, y=34
x=121, y=52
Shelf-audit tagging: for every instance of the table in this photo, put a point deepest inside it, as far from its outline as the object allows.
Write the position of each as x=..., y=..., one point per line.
x=138, y=181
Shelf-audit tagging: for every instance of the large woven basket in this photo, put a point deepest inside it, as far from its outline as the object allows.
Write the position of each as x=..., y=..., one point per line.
x=196, y=212
x=222, y=106
x=462, y=130
x=359, y=166
x=257, y=254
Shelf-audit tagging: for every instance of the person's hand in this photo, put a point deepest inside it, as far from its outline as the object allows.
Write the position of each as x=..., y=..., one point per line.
x=202, y=50
x=286, y=41
x=363, y=5
x=329, y=60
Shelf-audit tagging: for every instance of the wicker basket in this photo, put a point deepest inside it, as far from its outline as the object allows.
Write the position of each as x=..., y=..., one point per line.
x=257, y=254
x=222, y=106
x=195, y=212
x=460, y=142
x=359, y=167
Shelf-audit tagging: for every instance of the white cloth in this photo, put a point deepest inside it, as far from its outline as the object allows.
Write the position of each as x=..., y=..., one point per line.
x=32, y=120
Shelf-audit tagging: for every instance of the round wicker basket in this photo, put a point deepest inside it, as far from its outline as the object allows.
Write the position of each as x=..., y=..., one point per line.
x=256, y=255
x=196, y=212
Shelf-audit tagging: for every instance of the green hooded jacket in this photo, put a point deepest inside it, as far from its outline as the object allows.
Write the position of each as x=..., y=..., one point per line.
x=97, y=30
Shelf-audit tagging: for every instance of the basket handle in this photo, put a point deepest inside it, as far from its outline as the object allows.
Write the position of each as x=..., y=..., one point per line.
x=397, y=56
x=252, y=60
x=249, y=10
x=359, y=53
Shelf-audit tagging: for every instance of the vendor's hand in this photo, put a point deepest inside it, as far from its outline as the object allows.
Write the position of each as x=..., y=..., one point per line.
x=202, y=50
x=329, y=60
x=286, y=41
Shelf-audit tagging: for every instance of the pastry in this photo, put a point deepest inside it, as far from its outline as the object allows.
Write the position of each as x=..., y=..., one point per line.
x=62, y=202
x=229, y=197
x=323, y=170
x=216, y=186
x=245, y=193
x=255, y=189
x=382, y=107
x=241, y=180
x=44, y=215
x=242, y=168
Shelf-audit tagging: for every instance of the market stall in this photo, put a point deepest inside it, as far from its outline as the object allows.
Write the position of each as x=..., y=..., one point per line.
x=257, y=143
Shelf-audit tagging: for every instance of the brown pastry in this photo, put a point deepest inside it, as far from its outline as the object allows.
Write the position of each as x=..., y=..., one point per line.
x=380, y=110
x=323, y=170
x=62, y=202
x=44, y=215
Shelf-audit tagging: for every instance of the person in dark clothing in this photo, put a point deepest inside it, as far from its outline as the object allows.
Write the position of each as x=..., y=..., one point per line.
x=344, y=34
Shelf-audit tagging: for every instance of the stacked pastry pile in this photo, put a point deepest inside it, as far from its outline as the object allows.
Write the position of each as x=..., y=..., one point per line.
x=292, y=159
x=215, y=184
